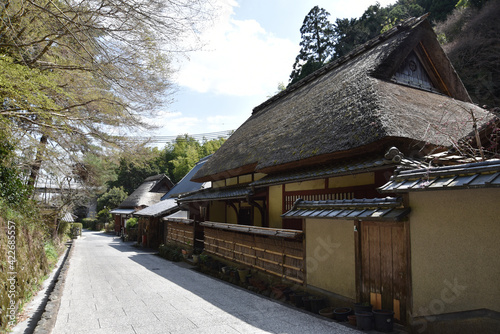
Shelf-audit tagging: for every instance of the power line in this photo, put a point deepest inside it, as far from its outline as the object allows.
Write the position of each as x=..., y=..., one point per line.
x=169, y=139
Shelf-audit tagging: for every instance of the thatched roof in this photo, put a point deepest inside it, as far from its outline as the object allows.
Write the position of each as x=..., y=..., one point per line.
x=352, y=106
x=148, y=193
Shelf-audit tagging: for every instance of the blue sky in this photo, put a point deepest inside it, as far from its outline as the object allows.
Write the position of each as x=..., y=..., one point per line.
x=248, y=50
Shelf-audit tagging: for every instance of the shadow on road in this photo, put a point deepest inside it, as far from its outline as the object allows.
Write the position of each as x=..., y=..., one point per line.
x=252, y=309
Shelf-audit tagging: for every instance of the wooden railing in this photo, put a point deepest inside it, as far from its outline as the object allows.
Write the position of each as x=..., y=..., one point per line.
x=274, y=251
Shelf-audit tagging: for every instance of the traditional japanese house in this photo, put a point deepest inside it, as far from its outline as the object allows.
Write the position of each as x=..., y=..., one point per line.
x=154, y=220
x=147, y=194
x=306, y=165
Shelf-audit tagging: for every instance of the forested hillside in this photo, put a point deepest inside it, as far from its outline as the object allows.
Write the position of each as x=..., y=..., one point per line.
x=467, y=29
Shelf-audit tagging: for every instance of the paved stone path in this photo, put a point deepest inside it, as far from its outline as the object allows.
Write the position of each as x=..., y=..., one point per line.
x=112, y=287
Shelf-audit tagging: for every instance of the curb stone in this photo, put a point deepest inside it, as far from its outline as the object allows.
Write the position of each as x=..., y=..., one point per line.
x=48, y=318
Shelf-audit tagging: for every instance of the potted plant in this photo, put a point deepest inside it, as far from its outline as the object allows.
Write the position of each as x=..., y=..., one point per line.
x=384, y=320
x=327, y=312
x=341, y=313
x=364, y=320
x=243, y=273
x=366, y=307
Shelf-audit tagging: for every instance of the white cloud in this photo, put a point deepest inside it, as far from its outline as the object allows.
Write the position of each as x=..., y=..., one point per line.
x=240, y=59
x=176, y=123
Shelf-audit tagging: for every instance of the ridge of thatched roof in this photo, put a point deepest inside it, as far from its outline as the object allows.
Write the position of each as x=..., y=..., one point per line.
x=148, y=193
x=350, y=107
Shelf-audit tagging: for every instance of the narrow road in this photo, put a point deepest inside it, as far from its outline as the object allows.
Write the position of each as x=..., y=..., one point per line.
x=112, y=287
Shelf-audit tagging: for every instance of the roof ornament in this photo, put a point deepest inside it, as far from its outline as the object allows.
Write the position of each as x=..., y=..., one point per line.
x=393, y=155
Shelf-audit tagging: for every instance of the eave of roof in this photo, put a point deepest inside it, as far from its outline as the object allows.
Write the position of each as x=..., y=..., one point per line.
x=272, y=232
x=216, y=194
x=120, y=211
x=465, y=176
x=185, y=185
x=181, y=217
x=338, y=169
x=159, y=209
x=383, y=209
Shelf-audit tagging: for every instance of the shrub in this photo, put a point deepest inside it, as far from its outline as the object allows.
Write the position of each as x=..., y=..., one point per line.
x=110, y=227
x=75, y=229
x=170, y=252
x=132, y=223
x=92, y=224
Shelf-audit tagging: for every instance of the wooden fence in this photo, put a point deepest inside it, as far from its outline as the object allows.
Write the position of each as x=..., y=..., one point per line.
x=275, y=251
x=181, y=232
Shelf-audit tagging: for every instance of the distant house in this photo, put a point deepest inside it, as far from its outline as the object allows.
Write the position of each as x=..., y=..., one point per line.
x=152, y=224
x=301, y=176
x=148, y=193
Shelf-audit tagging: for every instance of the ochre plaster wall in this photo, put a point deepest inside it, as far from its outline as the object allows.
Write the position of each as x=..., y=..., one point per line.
x=305, y=185
x=257, y=217
x=455, y=250
x=330, y=258
x=275, y=206
x=217, y=212
x=232, y=218
x=351, y=180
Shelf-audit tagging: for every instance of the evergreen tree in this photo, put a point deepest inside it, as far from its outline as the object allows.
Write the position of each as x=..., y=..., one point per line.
x=317, y=44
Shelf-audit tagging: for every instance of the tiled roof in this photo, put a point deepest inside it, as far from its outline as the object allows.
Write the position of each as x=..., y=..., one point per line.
x=159, y=209
x=119, y=211
x=474, y=175
x=216, y=194
x=388, y=208
x=185, y=185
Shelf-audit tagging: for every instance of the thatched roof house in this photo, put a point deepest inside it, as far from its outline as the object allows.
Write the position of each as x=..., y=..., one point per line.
x=149, y=192
x=398, y=89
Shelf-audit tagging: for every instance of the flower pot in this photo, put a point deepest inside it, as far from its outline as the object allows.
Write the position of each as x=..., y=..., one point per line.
x=243, y=273
x=317, y=303
x=306, y=300
x=352, y=319
x=364, y=320
x=327, y=312
x=384, y=320
x=278, y=291
x=196, y=258
x=342, y=313
x=296, y=298
x=362, y=307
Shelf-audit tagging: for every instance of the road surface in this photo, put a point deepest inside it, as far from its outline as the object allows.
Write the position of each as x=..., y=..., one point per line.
x=113, y=287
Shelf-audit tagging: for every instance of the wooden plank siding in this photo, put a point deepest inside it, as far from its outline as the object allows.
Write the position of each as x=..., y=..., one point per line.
x=277, y=256
x=384, y=267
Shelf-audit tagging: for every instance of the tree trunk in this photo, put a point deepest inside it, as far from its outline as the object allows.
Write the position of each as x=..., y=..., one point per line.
x=37, y=164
